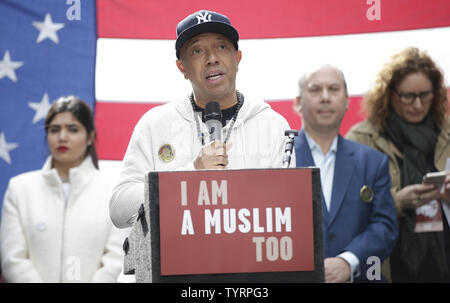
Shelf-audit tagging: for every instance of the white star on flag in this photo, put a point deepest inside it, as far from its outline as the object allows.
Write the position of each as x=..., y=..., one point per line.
x=41, y=108
x=8, y=67
x=48, y=29
x=5, y=148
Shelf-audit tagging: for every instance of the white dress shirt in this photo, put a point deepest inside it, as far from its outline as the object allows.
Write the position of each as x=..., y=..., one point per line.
x=326, y=165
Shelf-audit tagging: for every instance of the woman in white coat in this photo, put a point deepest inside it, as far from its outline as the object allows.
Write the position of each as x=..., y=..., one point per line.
x=55, y=223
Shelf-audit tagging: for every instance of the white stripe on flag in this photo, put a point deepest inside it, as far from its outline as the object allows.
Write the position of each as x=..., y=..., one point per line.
x=145, y=71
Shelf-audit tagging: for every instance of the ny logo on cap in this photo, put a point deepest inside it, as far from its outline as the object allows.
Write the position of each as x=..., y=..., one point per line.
x=203, y=18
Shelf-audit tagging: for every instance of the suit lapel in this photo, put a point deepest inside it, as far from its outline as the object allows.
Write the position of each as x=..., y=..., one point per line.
x=343, y=171
x=304, y=159
x=302, y=151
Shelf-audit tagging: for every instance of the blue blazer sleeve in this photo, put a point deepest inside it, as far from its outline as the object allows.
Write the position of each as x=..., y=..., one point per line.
x=380, y=235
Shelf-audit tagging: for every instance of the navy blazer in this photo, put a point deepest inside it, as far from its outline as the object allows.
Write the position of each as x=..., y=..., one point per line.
x=364, y=228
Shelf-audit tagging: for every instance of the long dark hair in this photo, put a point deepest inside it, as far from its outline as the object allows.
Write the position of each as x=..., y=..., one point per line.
x=82, y=112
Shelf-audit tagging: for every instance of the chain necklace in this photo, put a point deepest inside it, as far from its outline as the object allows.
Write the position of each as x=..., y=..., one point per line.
x=200, y=134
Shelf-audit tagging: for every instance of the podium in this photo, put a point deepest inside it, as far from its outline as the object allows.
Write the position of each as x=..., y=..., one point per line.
x=249, y=225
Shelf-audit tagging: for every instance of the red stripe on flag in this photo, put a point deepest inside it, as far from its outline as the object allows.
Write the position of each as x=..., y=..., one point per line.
x=255, y=19
x=352, y=116
x=115, y=122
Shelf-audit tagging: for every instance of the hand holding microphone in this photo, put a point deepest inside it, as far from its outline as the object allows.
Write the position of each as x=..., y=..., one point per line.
x=214, y=154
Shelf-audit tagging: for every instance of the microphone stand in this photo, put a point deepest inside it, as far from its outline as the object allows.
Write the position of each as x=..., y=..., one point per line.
x=291, y=134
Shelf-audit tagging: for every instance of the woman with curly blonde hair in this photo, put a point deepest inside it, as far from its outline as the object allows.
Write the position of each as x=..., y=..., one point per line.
x=407, y=119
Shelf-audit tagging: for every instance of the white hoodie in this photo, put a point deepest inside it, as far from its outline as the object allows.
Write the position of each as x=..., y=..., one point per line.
x=257, y=138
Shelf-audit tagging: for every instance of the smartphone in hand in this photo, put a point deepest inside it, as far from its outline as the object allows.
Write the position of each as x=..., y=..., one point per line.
x=436, y=178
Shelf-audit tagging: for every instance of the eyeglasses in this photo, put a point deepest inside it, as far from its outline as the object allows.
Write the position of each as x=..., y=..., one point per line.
x=409, y=98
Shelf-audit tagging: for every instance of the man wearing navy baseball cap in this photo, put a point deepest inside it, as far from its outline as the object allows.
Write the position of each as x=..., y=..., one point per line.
x=202, y=22
x=208, y=56
x=174, y=136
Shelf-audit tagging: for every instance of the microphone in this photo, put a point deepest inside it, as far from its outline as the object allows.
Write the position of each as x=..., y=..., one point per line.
x=291, y=134
x=213, y=120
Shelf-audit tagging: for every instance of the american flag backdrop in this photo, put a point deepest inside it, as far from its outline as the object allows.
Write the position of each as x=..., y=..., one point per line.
x=119, y=56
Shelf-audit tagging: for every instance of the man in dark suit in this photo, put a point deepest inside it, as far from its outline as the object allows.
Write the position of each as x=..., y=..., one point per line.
x=359, y=220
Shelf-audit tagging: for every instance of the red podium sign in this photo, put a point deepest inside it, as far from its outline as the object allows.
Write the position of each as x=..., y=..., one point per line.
x=236, y=221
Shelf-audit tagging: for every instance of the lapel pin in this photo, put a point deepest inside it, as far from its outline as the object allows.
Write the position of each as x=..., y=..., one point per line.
x=366, y=194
